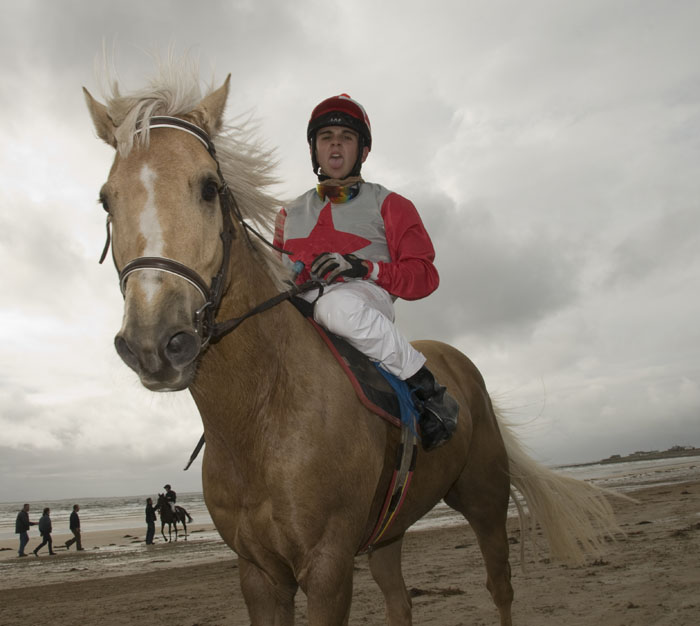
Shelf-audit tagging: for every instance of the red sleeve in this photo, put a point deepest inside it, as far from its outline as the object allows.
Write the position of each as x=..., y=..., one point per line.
x=411, y=274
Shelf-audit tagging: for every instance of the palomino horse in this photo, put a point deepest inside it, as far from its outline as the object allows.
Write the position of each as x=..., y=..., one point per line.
x=294, y=469
x=171, y=518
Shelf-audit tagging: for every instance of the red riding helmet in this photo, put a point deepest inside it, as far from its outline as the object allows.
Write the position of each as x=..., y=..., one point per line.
x=340, y=110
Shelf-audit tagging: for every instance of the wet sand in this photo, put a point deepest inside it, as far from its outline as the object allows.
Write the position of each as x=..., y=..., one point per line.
x=649, y=577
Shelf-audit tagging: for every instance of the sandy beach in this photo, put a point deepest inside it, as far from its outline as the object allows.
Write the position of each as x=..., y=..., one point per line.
x=649, y=577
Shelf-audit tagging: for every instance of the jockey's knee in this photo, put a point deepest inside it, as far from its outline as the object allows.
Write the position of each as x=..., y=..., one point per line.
x=338, y=311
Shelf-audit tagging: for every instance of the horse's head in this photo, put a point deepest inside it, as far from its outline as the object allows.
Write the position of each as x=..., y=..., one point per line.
x=164, y=198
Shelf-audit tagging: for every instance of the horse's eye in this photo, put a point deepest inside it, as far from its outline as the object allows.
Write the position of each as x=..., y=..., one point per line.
x=209, y=190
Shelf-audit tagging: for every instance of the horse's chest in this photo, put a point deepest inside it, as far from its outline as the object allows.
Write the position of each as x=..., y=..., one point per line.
x=254, y=534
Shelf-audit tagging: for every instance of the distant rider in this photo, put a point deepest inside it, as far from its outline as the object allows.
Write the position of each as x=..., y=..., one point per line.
x=170, y=496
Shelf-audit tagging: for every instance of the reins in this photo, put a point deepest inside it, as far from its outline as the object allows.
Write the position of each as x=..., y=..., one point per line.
x=224, y=328
x=204, y=321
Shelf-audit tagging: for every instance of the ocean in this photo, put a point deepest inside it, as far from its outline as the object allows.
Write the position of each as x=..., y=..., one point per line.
x=97, y=513
x=127, y=512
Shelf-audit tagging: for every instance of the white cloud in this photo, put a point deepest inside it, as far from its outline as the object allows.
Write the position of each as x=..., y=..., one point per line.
x=551, y=148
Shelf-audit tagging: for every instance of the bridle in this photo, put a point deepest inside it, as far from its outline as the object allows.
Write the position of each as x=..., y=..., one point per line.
x=205, y=324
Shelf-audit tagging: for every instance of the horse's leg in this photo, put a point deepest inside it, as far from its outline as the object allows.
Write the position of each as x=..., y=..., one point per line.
x=482, y=497
x=269, y=604
x=385, y=565
x=328, y=586
x=162, y=530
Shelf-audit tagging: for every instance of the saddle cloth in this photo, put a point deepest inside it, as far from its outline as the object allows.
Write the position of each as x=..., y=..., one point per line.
x=378, y=390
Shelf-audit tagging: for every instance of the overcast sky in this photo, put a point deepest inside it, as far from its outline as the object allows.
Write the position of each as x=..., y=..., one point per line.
x=552, y=148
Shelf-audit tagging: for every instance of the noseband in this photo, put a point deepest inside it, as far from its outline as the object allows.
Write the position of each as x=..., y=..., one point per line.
x=205, y=324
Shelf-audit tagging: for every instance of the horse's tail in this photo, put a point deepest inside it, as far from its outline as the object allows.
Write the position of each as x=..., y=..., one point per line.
x=184, y=513
x=575, y=517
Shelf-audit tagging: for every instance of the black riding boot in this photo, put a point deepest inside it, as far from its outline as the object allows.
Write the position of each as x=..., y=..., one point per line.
x=438, y=409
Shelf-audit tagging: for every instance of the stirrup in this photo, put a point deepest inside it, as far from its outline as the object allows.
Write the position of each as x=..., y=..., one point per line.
x=438, y=421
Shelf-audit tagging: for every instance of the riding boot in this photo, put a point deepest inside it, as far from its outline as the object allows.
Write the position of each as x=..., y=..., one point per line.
x=438, y=409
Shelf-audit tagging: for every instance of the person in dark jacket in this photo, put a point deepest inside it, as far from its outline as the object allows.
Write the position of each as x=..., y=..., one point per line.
x=150, y=521
x=45, y=530
x=22, y=525
x=74, y=525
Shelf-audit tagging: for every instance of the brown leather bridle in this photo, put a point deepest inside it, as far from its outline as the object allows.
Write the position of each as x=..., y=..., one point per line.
x=204, y=321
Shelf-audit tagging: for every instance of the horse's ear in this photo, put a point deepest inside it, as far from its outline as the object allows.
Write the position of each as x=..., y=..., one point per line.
x=210, y=112
x=100, y=118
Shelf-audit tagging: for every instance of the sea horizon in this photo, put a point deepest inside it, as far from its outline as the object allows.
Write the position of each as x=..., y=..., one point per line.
x=127, y=512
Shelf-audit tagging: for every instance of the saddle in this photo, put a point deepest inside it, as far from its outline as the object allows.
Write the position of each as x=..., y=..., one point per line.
x=378, y=390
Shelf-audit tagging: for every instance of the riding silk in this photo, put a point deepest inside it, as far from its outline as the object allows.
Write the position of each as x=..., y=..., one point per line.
x=377, y=225
x=385, y=229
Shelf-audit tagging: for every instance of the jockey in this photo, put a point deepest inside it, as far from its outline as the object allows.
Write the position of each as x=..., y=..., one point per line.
x=170, y=496
x=369, y=246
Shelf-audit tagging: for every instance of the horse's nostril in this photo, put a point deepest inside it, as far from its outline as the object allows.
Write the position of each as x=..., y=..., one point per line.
x=182, y=348
x=125, y=352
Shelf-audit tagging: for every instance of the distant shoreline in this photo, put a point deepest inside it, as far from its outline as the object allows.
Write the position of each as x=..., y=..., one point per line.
x=653, y=455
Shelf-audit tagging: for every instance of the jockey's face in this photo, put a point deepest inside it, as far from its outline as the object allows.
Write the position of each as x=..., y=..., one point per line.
x=336, y=150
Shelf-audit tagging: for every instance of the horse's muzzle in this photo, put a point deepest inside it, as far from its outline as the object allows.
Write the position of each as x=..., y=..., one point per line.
x=166, y=364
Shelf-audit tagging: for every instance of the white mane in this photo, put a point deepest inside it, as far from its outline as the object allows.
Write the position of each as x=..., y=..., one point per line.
x=247, y=165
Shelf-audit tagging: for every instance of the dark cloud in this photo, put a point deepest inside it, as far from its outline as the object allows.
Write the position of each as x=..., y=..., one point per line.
x=74, y=473
x=493, y=281
x=41, y=253
x=668, y=243
x=550, y=148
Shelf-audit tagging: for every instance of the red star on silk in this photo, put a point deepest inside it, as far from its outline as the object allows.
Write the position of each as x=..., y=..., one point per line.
x=324, y=238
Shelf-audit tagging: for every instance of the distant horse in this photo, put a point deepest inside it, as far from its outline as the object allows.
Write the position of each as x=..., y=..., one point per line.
x=171, y=518
x=294, y=470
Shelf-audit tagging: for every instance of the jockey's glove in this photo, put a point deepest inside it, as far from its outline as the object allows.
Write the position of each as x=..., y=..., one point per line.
x=332, y=266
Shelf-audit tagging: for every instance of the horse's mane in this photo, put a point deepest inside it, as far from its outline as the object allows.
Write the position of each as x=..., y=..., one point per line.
x=247, y=165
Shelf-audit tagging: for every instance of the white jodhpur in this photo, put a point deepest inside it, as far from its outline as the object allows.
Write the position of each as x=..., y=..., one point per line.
x=363, y=314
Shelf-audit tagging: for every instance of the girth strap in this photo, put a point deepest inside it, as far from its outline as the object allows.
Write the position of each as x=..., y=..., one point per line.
x=398, y=487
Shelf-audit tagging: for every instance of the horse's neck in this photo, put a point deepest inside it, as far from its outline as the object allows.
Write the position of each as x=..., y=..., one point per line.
x=244, y=378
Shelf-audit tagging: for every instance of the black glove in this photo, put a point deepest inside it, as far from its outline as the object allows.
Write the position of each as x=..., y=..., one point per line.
x=330, y=266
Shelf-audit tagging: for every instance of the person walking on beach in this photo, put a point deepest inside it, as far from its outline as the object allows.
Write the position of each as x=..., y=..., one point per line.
x=22, y=525
x=74, y=525
x=150, y=522
x=45, y=530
